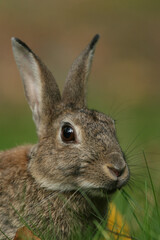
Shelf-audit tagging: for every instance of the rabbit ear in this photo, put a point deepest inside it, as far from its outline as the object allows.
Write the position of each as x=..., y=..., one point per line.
x=40, y=87
x=74, y=90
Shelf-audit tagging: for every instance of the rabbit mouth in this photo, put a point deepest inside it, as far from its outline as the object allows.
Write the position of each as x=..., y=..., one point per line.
x=103, y=190
x=113, y=186
x=108, y=187
x=108, y=191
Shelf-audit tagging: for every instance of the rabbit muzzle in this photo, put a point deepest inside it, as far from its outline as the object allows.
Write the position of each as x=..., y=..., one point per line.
x=116, y=169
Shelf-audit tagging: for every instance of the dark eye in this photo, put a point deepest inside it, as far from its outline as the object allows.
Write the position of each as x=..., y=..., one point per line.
x=67, y=134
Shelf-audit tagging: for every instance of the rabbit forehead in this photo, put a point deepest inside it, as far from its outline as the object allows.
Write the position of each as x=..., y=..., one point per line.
x=84, y=117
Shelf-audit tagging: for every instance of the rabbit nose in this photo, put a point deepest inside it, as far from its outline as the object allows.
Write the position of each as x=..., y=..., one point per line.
x=115, y=166
x=114, y=171
x=117, y=171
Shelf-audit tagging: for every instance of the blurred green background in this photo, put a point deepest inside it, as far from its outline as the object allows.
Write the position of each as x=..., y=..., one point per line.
x=125, y=77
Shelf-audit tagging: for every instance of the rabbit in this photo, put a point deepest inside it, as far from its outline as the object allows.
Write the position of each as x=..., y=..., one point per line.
x=77, y=163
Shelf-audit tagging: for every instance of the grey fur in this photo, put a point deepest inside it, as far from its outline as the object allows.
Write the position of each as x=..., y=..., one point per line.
x=75, y=86
x=47, y=184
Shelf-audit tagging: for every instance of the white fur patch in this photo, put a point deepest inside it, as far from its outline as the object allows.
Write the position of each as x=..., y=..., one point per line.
x=87, y=184
x=57, y=186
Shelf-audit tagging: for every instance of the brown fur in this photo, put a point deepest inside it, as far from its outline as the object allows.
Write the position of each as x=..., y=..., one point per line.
x=52, y=184
x=20, y=191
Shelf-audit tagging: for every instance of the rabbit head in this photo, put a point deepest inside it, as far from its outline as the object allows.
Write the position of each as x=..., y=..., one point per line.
x=77, y=148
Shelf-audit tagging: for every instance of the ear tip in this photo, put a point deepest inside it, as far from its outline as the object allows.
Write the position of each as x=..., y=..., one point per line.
x=94, y=41
x=13, y=39
x=16, y=42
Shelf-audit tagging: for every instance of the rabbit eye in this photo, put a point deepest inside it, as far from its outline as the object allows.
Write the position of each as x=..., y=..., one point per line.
x=67, y=134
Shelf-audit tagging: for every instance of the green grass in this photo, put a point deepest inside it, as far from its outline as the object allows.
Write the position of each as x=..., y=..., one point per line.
x=141, y=213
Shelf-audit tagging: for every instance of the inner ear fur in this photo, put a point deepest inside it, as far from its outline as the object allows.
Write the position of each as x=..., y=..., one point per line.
x=40, y=87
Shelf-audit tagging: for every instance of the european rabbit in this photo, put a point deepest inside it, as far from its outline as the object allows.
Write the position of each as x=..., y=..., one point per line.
x=77, y=160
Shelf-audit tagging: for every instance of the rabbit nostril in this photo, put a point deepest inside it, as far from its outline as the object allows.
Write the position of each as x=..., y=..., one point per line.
x=117, y=172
